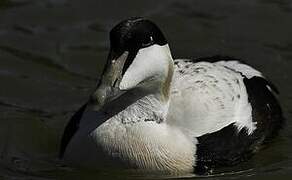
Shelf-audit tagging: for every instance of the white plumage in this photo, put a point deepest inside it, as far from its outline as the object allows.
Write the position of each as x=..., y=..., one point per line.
x=153, y=113
x=212, y=97
x=155, y=135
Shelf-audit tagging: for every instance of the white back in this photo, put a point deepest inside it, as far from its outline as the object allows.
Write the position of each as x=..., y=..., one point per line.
x=206, y=97
x=246, y=70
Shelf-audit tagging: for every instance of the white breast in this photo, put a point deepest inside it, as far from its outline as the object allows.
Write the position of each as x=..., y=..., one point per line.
x=148, y=146
x=207, y=97
x=133, y=137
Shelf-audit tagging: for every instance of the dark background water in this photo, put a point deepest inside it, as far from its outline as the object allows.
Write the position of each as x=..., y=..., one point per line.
x=52, y=53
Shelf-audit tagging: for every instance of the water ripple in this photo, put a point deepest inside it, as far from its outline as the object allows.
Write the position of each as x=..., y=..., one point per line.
x=284, y=5
x=5, y=4
x=28, y=56
x=190, y=12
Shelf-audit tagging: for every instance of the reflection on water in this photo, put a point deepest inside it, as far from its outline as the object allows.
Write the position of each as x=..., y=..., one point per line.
x=52, y=53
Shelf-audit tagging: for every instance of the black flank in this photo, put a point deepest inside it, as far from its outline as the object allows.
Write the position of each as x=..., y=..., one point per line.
x=228, y=147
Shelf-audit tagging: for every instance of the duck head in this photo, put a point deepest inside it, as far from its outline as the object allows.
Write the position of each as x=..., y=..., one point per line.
x=139, y=57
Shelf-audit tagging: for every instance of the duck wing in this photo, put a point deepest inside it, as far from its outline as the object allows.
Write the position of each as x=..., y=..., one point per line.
x=230, y=108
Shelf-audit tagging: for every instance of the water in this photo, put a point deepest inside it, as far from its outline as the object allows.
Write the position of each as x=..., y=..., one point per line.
x=52, y=53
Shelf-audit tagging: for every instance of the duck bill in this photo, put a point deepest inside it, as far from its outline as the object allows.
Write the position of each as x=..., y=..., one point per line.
x=108, y=87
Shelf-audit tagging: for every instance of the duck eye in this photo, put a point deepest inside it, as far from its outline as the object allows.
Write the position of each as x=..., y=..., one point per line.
x=148, y=42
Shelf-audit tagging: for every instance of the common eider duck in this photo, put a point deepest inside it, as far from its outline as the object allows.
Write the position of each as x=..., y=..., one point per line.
x=151, y=113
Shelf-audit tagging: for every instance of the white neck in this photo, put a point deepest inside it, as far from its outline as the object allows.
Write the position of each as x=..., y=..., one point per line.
x=152, y=69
